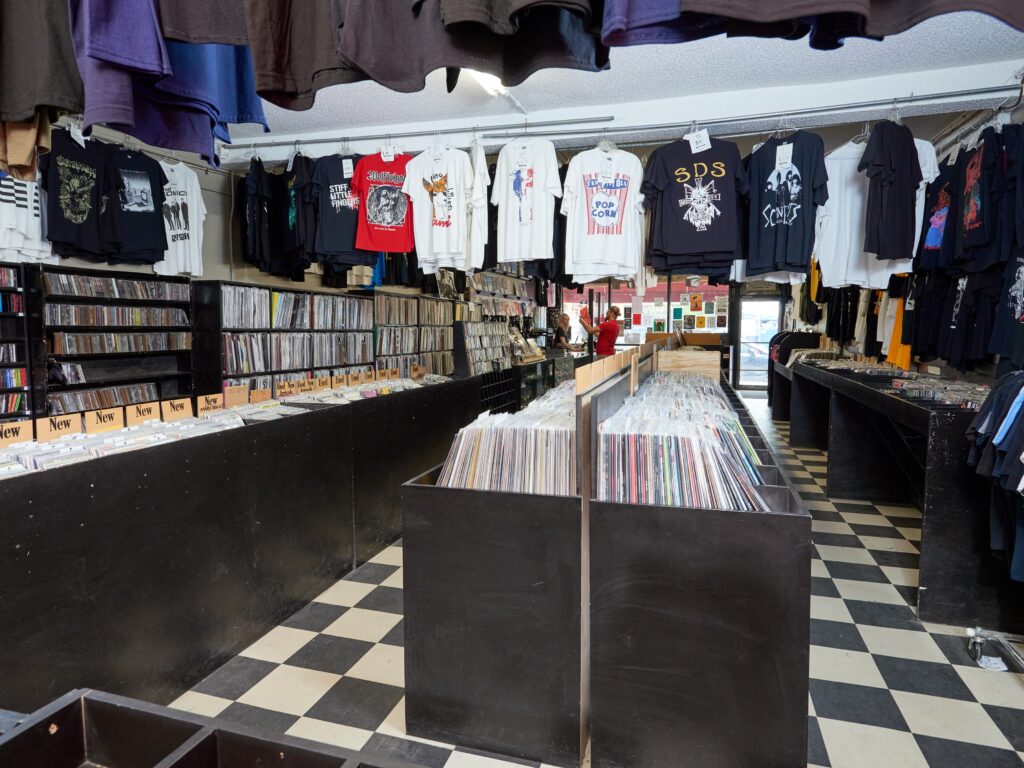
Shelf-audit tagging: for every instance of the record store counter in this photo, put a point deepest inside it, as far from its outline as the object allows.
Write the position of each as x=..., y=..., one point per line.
x=141, y=572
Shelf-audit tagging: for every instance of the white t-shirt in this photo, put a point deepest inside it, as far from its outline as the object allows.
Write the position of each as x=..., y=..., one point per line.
x=440, y=185
x=21, y=236
x=603, y=207
x=184, y=213
x=929, y=172
x=839, y=227
x=526, y=184
x=478, y=225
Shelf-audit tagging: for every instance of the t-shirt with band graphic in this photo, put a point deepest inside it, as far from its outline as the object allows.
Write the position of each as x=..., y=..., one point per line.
x=385, y=212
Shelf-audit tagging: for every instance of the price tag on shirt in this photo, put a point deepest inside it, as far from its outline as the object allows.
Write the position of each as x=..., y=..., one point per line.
x=77, y=135
x=607, y=168
x=699, y=141
x=954, y=154
x=346, y=167
x=387, y=154
x=523, y=158
x=783, y=156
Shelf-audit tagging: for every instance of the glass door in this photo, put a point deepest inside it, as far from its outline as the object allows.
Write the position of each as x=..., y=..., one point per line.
x=759, y=321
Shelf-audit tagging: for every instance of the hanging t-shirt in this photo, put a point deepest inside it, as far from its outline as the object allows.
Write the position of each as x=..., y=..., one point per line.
x=939, y=221
x=78, y=181
x=478, y=236
x=440, y=184
x=184, y=212
x=139, y=208
x=697, y=196
x=788, y=181
x=603, y=206
x=385, y=212
x=891, y=164
x=526, y=184
x=204, y=21
x=337, y=205
x=297, y=211
x=979, y=189
x=21, y=237
x=929, y=164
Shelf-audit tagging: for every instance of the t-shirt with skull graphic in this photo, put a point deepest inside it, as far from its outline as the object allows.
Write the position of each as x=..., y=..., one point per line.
x=440, y=184
x=788, y=182
x=385, y=212
x=79, y=182
x=695, y=195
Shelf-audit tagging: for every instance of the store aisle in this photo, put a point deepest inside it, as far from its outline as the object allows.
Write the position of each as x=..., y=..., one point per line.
x=886, y=691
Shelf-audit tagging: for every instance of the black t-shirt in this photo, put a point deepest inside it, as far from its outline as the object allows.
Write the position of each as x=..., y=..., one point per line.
x=337, y=206
x=139, y=206
x=783, y=202
x=78, y=181
x=295, y=209
x=890, y=162
x=939, y=228
x=696, y=197
x=977, y=186
x=561, y=335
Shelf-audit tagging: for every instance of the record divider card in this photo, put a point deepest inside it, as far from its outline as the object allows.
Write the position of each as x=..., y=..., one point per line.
x=104, y=420
x=13, y=432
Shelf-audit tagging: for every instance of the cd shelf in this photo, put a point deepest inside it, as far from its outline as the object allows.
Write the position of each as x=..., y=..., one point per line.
x=19, y=397
x=101, y=338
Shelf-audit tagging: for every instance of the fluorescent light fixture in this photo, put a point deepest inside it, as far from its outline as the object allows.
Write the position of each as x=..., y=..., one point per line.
x=489, y=83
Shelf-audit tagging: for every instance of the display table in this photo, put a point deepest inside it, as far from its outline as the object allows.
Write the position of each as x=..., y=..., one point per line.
x=809, y=402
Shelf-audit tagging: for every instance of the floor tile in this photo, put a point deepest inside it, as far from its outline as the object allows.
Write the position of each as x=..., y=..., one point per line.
x=1001, y=689
x=824, y=526
x=905, y=522
x=345, y=593
x=851, y=503
x=382, y=664
x=942, y=753
x=841, y=666
x=898, y=511
x=330, y=733
x=808, y=487
x=829, y=609
x=883, y=615
x=845, y=554
x=200, y=703
x=949, y=719
x=866, y=590
x=909, y=594
x=371, y=573
x=278, y=644
x=817, y=754
x=896, y=559
x=413, y=751
x=902, y=643
x=396, y=636
x=361, y=624
x=910, y=534
x=856, y=704
x=314, y=617
x=944, y=629
x=394, y=725
x=857, y=572
x=853, y=745
x=836, y=634
x=836, y=539
x=904, y=577
x=387, y=599
x=887, y=544
x=824, y=506
x=358, y=703
x=396, y=579
x=1011, y=722
x=327, y=653
x=235, y=677
x=821, y=587
x=876, y=531
x=389, y=556
x=818, y=569
x=292, y=690
x=865, y=518
x=925, y=677
x=263, y=721
x=466, y=757
x=825, y=515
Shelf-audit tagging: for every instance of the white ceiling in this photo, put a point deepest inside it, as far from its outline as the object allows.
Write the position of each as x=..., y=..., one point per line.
x=645, y=73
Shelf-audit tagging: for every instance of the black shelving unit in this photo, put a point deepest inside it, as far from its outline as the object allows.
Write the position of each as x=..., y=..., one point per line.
x=209, y=364
x=170, y=371
x=406, y=359
x=14, y=329
x=447, y=367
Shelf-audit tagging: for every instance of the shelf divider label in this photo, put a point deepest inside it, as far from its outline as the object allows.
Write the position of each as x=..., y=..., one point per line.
x=104, y=420
x=52, y=427
x=175, y=410
x=141, y=413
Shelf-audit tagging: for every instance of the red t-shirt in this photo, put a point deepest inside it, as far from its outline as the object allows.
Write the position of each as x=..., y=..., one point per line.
x=385, y=211
x=608, y=333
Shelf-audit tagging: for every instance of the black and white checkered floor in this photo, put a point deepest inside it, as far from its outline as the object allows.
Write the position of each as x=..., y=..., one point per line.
x=886, y=691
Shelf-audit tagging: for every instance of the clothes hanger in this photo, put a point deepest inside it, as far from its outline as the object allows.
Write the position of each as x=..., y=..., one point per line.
x=894, y=113
x=606, y=144
x=863, y=136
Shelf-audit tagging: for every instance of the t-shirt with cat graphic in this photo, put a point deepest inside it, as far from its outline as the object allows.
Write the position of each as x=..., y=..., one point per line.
x=440, y=184
x=184, y=212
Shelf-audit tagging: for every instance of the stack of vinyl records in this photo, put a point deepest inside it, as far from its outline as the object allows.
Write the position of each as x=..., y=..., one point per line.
x=91, y=314
x=119, y=343
x=291, y=350
x=290, y=310
x=245, y=353
x=395, y=310
x=441, y=363
x=436, y=338
x=397, y=341
x=403, y=363
x=678, y=443
x=61, y=284
x=436, y=312
x=533, y=451
x=106, y=397
x=353, y=314
x=342, y=349
x=244, y=307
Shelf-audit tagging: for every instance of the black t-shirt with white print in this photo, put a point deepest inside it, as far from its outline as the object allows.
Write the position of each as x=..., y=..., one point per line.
x=337, y=206
x=696, y=197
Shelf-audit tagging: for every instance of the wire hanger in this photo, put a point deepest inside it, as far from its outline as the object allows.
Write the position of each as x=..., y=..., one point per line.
x=863, y=136
x=345, y=147
x=894, y=113
x=606, y=144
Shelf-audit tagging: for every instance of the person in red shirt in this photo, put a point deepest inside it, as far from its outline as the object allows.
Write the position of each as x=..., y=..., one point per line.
x=607, y=332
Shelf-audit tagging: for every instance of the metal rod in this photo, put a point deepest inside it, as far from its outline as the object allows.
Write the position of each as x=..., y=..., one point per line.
x=524, y=124
x=768, y=116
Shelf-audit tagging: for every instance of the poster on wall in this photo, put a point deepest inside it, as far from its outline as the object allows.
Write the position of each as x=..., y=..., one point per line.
x=696, y=302
x=709, y=308
x=677, y=313
x=688, y=323
x=638, y=319
x=702, y=322
x=723, y=321
x=677, y=326
x=659, y=326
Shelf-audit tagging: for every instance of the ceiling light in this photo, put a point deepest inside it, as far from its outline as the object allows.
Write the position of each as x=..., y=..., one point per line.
x=489, y=83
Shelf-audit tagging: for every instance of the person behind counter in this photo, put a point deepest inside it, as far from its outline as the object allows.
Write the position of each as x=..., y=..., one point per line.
x=563, y=335
x=607, y=332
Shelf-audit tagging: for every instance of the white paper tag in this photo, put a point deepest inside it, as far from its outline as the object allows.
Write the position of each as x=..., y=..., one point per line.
x=436, y=152
x=993, y=663
x=291, y=162
x=756, y=147
x=387, y=154
x=783, y=156
x=607, y=167
x=77, y=135
x=954, y=155
x=346, y=167
x=699, y=141
x=523, y=158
